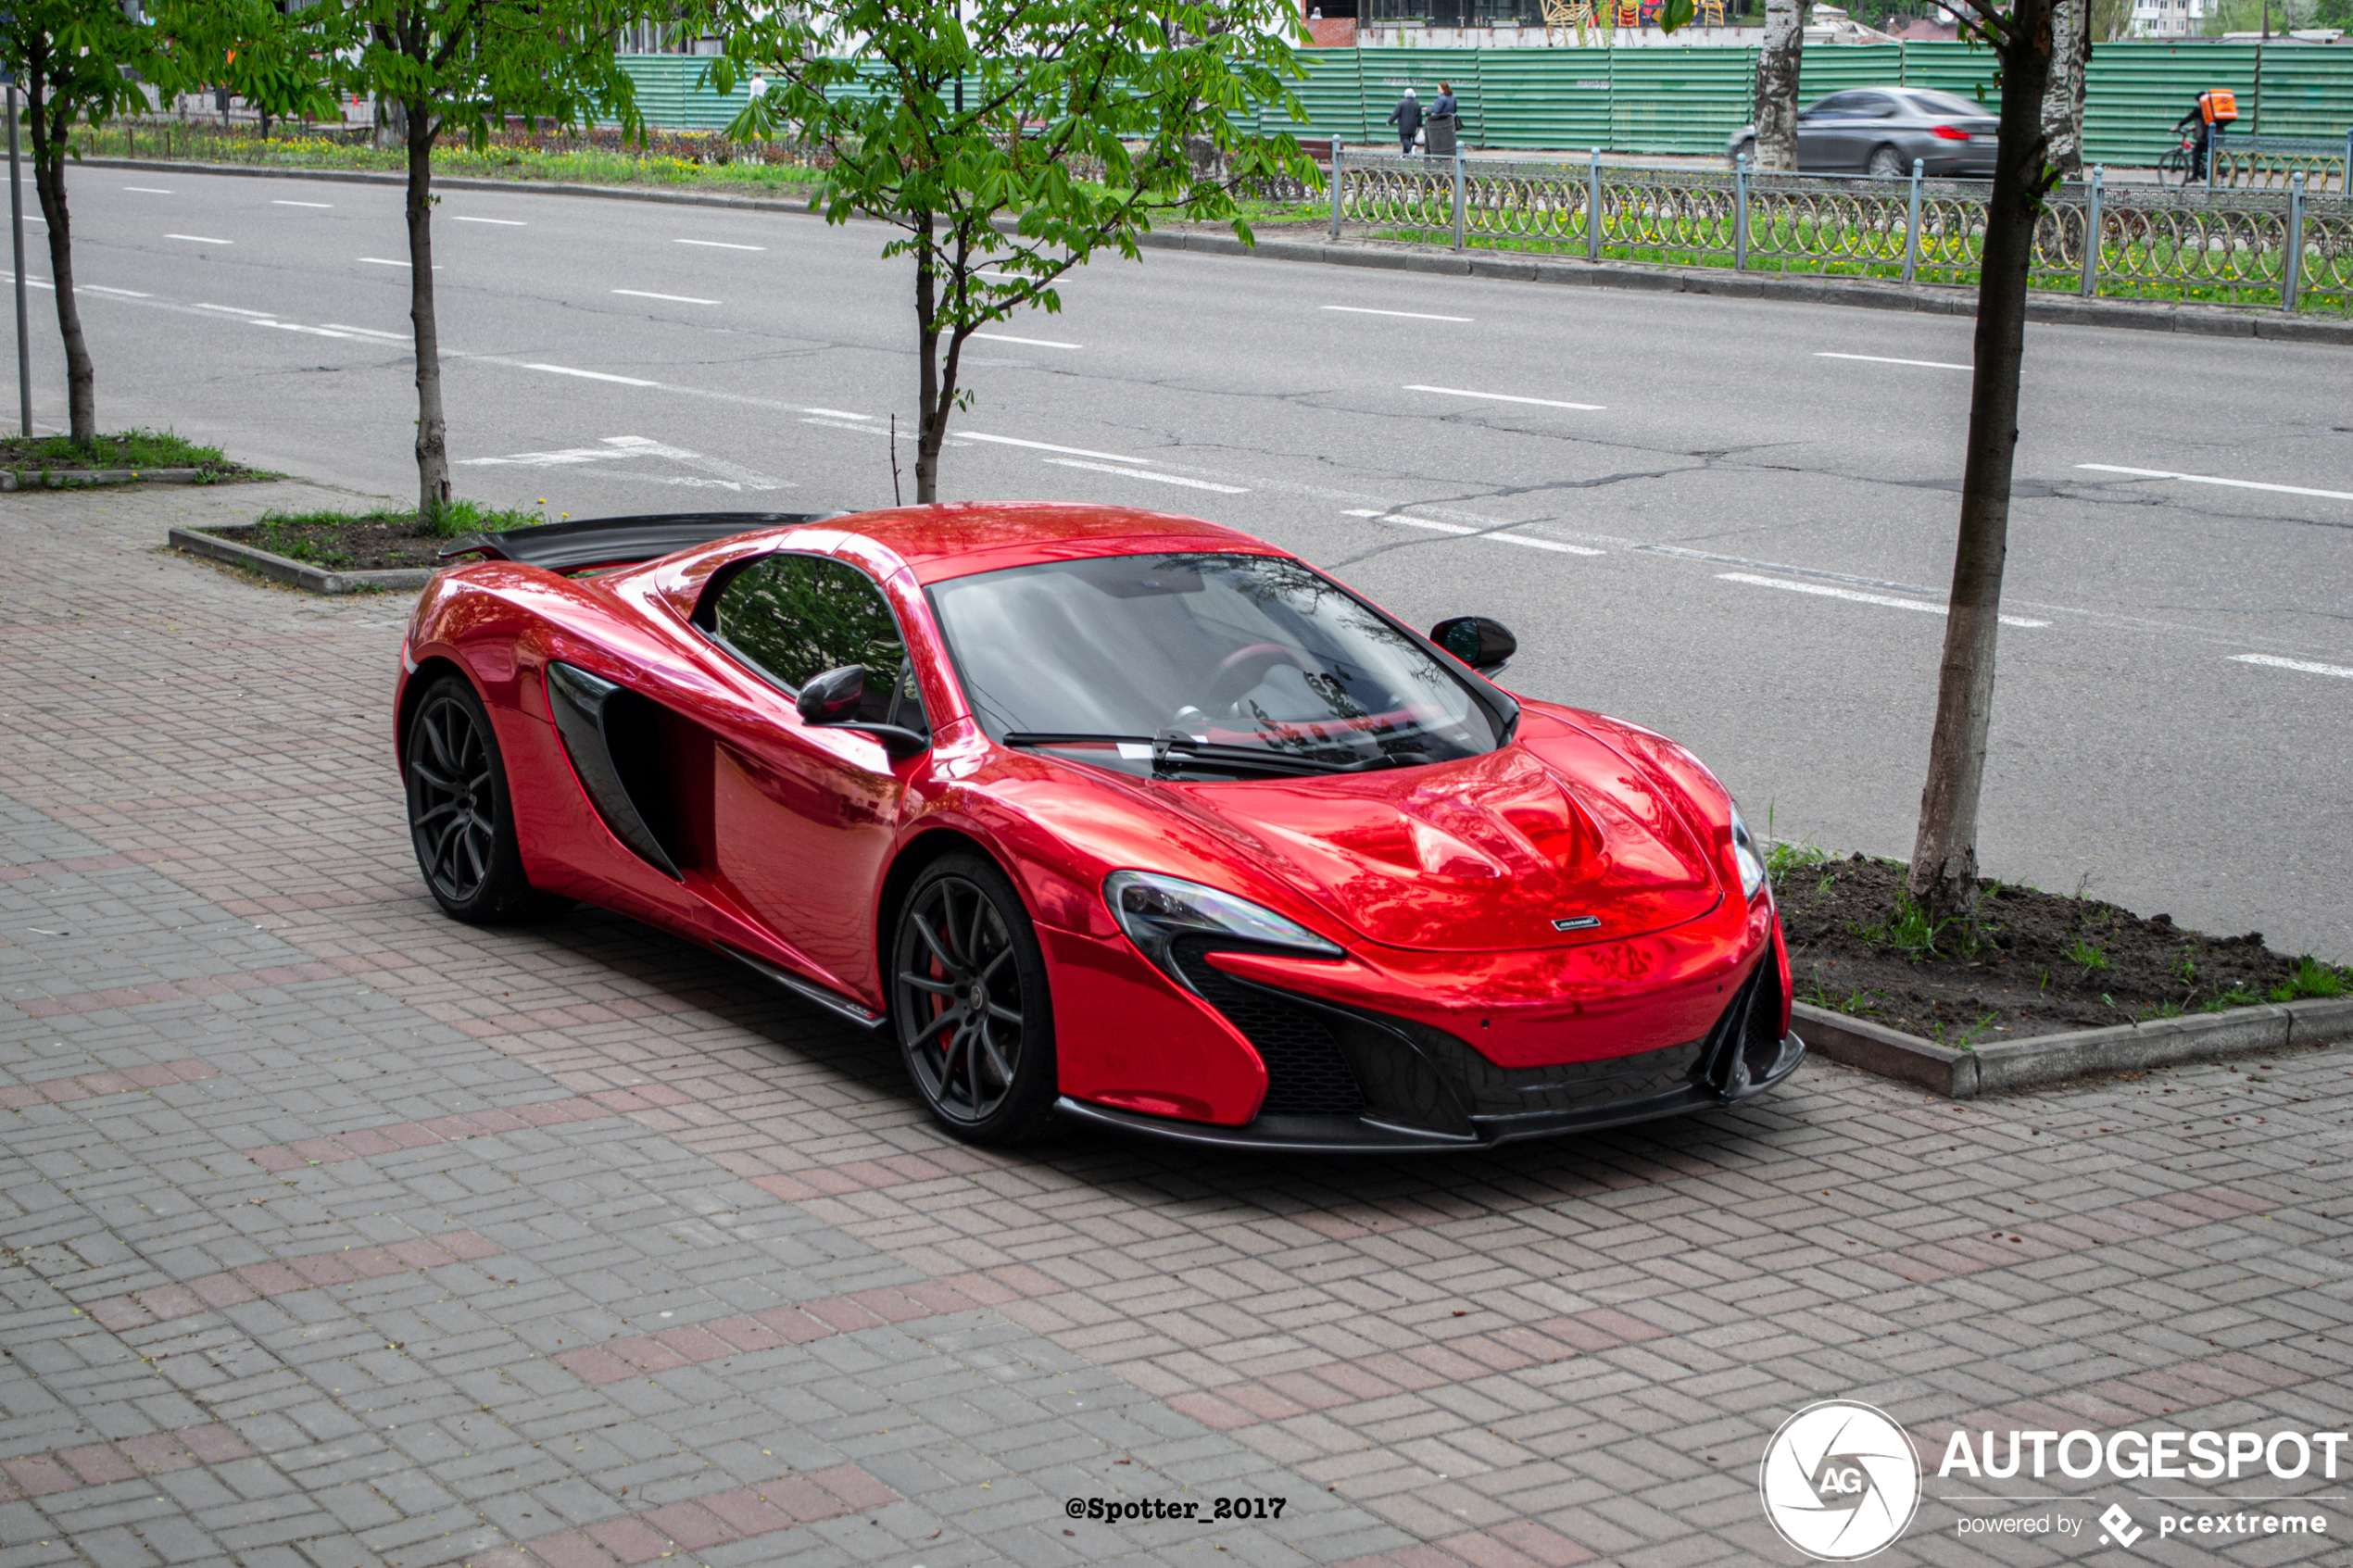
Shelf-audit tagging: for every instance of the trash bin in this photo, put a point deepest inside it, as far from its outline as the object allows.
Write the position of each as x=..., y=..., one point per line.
x=1441, y=136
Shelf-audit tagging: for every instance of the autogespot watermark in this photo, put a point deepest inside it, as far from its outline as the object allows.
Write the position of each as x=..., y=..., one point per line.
x=1841, y=1481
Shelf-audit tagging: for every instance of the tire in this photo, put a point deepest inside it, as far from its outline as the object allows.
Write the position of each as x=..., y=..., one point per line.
x=1886, y=164
x=461, y=817
x=988, y=1074
x=1733, y=161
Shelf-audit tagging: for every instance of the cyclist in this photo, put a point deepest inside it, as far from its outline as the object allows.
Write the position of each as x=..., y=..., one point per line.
x=2214, y=106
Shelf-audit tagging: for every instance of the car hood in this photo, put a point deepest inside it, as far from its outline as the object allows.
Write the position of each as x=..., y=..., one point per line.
x=1486, y=853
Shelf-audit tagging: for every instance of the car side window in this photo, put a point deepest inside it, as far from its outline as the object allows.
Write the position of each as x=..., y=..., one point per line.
x=1835, y=105
x=791, y=617
x=1871, y=106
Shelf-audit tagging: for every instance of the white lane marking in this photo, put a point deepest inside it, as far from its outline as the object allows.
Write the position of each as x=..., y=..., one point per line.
x=730, y=476
x=1155, y=477
x=2210, y=479
x=1824, y=590
x=1410, y=315
x=836, y=414
x=674, y=298
x=1049, y=446
x=1884, y=360
x=383, y=261
x=101, y=288
x=843, y=423
x=297, y=327
x=718, y=245
x=1505, y=398
x=328, y=206
x=32, y=283
x=147, y=190
x=1030, y=341
x=584, y=375
x=232, y=309
x=1463, y=530
x=502, y=222
x=374, y=332
x=199, y=239
x=2308, y=667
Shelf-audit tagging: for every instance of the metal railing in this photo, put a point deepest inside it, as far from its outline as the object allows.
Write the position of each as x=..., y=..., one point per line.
x=2271, y=163
x=2288, y=247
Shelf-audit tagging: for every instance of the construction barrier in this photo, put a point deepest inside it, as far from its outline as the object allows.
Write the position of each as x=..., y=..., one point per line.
x=1690, y=100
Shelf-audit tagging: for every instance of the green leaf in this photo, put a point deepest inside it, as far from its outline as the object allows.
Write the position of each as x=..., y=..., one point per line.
x=1676, y=14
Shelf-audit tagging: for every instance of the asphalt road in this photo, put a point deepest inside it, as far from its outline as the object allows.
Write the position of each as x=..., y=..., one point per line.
x=1726, y=520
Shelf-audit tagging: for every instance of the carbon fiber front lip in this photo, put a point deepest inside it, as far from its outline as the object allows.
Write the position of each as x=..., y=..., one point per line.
x=1357, y=1134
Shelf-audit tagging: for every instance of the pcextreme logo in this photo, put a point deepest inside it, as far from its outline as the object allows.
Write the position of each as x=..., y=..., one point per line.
x=1840, y=1481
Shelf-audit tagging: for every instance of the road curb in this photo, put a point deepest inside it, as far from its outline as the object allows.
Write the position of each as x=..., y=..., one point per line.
x=2047, y=1060
x=2208, y=321
x=76, y=479
x=295, y=573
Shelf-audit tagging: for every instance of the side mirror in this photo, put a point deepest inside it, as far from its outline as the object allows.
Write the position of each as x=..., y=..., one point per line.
x=1486, y=646
x=831, y=699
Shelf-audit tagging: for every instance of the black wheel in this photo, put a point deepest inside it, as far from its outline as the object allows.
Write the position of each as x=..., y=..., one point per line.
x=1733, y=162
x=459, y=815
x=1886, y=164
x=968, y=995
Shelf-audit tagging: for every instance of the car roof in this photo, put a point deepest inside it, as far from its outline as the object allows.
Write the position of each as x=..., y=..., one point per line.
x=961, y=538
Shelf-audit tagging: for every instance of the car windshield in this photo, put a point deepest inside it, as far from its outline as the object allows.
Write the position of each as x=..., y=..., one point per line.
x=1205, y=665
x=1947, y=103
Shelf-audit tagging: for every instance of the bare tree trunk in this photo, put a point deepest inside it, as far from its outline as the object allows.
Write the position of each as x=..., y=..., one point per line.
x=49, y=183
x=2063, y=99
x=433, y=447
x=931, y=409
x=1944, y=873
x=1777, y=66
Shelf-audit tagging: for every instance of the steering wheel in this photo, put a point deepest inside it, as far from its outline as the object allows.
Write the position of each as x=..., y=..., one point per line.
x=1243, y=669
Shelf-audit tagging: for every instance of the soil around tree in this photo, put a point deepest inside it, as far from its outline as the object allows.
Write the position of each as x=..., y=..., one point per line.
x=389, y=540
x=364, y=544
x=2037, y=963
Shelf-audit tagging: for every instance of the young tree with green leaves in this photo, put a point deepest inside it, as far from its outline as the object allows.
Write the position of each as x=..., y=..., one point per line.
x=1010, y=141
x=67, y=59
x=456, y=67
x=1944, y=873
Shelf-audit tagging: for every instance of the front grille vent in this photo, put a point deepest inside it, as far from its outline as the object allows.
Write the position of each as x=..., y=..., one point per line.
x=1306, y=1074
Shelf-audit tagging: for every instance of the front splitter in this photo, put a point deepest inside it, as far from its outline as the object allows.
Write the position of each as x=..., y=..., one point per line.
x=1356, y=1135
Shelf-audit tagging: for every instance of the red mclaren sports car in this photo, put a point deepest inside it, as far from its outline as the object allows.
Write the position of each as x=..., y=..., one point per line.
x=1105, y=814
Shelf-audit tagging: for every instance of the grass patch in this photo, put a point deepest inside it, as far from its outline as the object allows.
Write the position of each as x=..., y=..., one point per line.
x=30, y=456
x=671, y=158
x=2311, y=977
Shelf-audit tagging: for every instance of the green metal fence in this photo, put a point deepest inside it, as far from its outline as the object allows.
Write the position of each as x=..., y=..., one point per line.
x=2288, y=248
x=1689, y=100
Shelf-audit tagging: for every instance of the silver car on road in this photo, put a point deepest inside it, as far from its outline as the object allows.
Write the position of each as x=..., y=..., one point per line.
x=1880, y=130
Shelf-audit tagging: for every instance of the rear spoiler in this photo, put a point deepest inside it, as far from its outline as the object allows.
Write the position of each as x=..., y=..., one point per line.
x=619, y=541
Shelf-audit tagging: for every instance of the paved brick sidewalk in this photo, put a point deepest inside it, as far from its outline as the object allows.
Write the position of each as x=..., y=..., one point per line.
x=335, y=1233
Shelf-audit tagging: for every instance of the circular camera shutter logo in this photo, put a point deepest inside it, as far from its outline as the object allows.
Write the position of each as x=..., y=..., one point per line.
x=1840, y=1481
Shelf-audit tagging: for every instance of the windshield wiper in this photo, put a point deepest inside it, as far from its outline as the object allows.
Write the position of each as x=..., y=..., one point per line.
x=1174, y=750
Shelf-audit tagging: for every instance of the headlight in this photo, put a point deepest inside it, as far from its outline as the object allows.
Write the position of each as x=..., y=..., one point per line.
x=1156, y=910
x=1749, y=857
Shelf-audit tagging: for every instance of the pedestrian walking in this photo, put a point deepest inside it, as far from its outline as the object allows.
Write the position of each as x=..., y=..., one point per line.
x=1407, y=117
